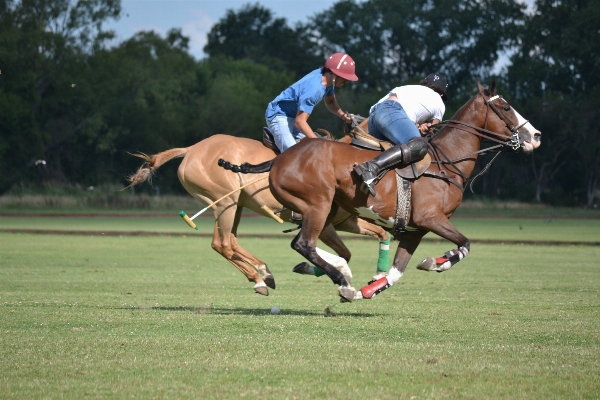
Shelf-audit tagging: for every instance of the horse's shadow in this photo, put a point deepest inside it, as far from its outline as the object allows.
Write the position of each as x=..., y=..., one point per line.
x=209, y=309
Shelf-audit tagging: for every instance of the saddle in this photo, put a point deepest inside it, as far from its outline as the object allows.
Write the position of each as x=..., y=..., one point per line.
x=362, y=139
x=269, y=140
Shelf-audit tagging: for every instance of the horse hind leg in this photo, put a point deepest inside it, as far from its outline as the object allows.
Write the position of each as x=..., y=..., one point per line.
x=256, y=263
x=224, y=243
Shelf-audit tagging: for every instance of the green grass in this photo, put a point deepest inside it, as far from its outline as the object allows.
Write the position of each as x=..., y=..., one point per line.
x=111, y=199
x=573, y=230
x=167, y=317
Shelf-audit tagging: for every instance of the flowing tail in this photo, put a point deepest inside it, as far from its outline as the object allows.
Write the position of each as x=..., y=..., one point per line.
x=246, y=168
x=152, y=163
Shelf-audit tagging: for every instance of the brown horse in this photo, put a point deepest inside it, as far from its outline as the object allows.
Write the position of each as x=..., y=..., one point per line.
x=316, y=178
x=207, y=182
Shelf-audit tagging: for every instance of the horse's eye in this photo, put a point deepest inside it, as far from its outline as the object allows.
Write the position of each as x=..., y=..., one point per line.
x=507, y=108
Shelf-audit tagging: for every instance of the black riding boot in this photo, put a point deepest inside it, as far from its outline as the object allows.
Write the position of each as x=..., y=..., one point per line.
x=409, y=152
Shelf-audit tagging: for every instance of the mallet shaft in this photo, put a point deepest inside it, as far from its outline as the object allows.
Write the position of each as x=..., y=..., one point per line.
x=227, y=195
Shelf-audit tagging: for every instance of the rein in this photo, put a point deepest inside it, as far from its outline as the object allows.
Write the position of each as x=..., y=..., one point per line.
x=514, y=143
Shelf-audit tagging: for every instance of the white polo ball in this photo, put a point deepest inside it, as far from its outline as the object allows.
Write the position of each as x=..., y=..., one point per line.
x=275, y=310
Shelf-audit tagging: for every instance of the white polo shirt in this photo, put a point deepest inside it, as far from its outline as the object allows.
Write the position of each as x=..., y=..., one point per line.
x=420, y=103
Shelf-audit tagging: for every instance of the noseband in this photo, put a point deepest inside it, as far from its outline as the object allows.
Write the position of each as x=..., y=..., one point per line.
x=517, y=137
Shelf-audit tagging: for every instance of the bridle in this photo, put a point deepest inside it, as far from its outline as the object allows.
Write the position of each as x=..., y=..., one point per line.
x=516, y=139
x=514, y=142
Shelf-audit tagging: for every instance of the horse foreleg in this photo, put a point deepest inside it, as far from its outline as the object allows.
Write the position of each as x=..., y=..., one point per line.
x=362, y=227
x=306, y=246
x=444, y=228
x=330, y=237
x=340, y=262
x=409, y=241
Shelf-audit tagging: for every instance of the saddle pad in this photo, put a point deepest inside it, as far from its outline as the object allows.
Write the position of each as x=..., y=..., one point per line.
x=362, y=138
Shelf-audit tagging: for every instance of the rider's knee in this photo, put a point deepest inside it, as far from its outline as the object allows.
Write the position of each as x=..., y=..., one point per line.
x=414, y=150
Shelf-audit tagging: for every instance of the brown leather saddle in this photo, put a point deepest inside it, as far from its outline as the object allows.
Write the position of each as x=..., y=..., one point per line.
x=362, y=139
x=269, y=140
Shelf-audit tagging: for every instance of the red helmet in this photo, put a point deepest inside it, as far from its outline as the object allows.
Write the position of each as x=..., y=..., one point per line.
x=342, y=65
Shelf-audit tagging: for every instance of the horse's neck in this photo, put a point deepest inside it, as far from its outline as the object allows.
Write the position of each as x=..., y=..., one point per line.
x=457, y=141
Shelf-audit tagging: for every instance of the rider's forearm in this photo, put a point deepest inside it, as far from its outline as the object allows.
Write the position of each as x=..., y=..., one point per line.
x=304, y=128
x=333, y=106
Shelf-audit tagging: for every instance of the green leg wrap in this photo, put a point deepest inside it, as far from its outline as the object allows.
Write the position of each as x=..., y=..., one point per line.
x=318, y=271
x=383, y=263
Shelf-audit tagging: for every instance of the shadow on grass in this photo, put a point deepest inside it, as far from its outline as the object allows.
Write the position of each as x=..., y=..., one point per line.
x=208, y=309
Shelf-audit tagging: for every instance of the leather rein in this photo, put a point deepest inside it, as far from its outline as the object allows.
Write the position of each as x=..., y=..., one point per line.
x=513, y=143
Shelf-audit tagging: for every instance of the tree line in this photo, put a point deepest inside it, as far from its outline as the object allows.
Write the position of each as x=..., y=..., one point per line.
x=72, y=106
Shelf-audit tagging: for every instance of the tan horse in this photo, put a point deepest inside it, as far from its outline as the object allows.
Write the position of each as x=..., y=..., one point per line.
x=207, y=182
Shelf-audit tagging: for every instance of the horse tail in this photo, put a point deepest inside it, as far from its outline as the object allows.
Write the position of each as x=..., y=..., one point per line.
x=152, y=163
x=246, y=168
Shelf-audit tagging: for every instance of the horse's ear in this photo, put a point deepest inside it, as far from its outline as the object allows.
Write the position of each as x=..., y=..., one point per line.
x=481, y=88
x=493, y=86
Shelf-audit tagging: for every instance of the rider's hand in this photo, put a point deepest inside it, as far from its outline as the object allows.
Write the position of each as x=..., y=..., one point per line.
x=347, y=118
x=424, y=128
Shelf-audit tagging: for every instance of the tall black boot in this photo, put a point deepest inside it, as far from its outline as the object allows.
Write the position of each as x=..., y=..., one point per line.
x=409, y=152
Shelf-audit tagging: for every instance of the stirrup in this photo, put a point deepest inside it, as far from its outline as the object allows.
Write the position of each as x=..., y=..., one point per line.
x=296, y=217
x=367, y=188
x=368, y=178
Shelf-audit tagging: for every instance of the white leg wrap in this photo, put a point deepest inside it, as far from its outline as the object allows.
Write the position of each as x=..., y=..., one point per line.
x=393, y=276
x=262, y=269
x=338, y=262
x=443, y=267
x=380, y=275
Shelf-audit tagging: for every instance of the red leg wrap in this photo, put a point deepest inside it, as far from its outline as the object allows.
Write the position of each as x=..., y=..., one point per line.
x=441, y=260
x=375, y=288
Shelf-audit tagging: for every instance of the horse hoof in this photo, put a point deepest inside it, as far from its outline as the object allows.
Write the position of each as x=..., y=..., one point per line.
x=304, y=268
x=427, y=264
x=269, y=281
x=347, y=293
x=262, y=290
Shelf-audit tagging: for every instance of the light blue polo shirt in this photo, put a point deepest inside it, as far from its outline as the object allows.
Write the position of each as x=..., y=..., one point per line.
x=301, y=96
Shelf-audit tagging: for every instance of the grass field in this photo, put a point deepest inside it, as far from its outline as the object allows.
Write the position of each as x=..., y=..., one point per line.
x=474, y=227
x=167, y=317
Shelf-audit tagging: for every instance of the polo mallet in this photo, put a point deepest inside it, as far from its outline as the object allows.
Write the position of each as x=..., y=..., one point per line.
x=192, y=225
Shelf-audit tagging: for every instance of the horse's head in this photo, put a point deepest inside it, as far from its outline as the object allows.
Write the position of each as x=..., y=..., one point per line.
x=506, y=121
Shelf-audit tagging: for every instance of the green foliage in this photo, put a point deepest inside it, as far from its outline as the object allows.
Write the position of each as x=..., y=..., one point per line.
x=67, y=99
x=42, y=43
x=252, y=33
x=237, y=96
x=401, y=41
x=554, y=74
